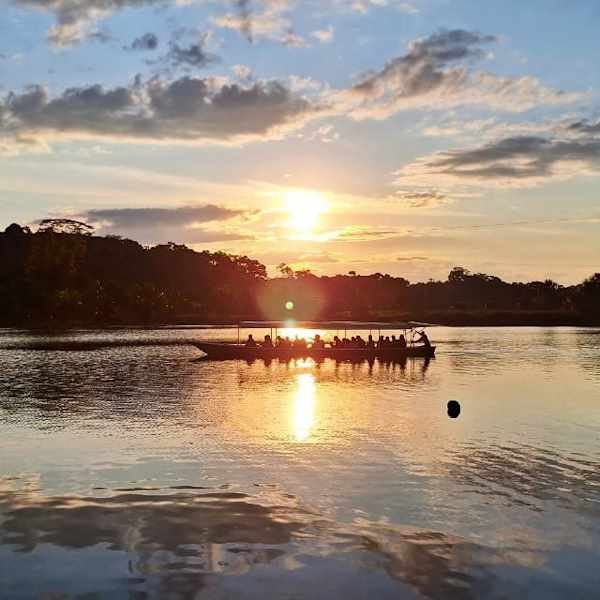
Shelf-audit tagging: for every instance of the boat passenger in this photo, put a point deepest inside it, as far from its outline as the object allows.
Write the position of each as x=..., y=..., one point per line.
x=424, y=339
x=360, y=342
x=402, y=341
x=370, y=342
x=299, y=343
x=250, y=343
x=318, y=343
x=268, y=343
x=394, y=342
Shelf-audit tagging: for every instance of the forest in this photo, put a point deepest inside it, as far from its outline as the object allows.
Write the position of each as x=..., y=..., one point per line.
x=64, y=275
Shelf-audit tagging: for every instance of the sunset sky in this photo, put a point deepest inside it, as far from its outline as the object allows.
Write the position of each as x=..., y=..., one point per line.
x=335, y=135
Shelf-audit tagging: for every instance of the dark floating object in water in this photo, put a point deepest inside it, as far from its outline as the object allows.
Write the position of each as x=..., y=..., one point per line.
x=453, y=409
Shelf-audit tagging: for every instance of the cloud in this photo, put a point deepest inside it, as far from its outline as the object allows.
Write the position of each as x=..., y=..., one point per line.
x=317, y=257
x=421, y=199
x=194, y=55
x=271, y=21
x=585, y=127
x=410, y=259
x=517, y=161
x=75, y=18
x=188, y=109
x=324, y=35
x=435, y=73
x=242, y=71
x=148, y=41
x=183, y=224
x=358, y=233
x=150, y=217
x=363, y=6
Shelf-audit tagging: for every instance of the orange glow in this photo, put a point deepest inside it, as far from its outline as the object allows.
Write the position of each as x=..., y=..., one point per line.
x=304, y=407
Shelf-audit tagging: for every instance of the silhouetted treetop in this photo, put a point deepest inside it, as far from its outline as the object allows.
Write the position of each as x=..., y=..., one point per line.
x=65, y=226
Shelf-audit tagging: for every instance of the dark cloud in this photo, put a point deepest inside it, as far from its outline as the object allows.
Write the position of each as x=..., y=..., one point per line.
x=194, y=55
x=148, y=41
x=133, y=218
x=585, y=127
x=512, y=161
x=422, y=68
x=422, y=199
x=186, y=109
x=436, y=72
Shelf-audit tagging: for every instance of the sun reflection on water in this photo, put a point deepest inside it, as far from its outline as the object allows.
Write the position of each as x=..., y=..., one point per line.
x=304, y=407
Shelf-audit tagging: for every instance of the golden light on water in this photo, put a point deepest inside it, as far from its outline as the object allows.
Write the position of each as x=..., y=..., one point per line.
x=304, y=407
x=304, y=209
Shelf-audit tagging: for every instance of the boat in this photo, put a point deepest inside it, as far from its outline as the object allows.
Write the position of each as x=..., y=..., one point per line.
x=237, y=350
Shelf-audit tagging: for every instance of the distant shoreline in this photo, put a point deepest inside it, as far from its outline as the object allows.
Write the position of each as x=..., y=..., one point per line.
x=447, y=319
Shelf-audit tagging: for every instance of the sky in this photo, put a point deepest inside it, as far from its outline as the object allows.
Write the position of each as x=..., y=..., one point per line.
x=334, y=135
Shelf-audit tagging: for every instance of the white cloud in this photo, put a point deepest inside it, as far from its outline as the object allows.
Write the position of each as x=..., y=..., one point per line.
x=324, y=35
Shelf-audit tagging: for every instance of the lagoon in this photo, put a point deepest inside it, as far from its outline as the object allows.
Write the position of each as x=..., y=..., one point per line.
x=131, y=469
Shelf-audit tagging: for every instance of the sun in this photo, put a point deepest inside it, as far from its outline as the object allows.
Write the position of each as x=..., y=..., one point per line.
x=304, y=209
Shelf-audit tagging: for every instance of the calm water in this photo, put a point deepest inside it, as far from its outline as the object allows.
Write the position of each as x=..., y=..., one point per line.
x=129, y=469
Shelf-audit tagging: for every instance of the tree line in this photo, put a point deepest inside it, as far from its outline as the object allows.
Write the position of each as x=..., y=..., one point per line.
x=62, y=274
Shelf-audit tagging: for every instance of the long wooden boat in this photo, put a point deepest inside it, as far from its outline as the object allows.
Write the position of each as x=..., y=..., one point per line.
x=226, y=350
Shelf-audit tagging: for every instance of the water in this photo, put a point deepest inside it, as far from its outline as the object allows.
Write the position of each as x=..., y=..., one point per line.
x=129, y=469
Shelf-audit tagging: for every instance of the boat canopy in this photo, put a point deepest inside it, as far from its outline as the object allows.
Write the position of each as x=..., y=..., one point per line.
x=338, y=325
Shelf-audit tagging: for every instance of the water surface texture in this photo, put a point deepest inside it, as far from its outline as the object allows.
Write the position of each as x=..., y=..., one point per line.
x=130, y=469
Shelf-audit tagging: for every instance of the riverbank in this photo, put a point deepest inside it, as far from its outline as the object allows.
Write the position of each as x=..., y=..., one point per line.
x=451, y=318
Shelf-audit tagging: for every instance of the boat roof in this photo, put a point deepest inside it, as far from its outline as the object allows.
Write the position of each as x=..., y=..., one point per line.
x=352, y=325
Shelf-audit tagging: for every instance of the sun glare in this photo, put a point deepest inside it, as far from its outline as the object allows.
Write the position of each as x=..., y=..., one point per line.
x=304, y=209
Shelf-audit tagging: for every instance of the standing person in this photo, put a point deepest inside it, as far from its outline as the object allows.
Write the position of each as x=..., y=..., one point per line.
x=402, y=341
x=424, y=339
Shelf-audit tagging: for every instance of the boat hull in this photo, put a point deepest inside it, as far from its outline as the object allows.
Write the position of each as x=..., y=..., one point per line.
x=225, y=351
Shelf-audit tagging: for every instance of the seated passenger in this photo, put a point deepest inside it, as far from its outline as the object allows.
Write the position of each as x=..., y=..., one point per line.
x=394, y=341
x=268, y=343
x=279, y=341
x=360, y=342
x=402, y=341
x=318, y=343
x=250, y=343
